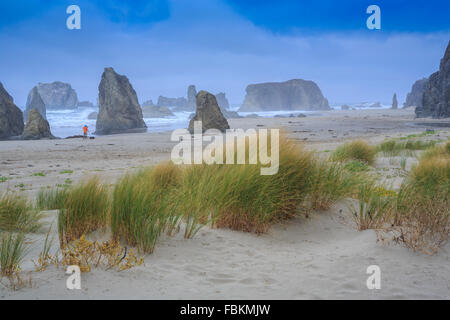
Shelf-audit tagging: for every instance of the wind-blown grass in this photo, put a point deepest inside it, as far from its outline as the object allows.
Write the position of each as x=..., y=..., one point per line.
x=394, y=148
x=12, y=252
x=51, y=199
x=16, y=214
x=142, y=207
x=85, y=209
x=355, y=150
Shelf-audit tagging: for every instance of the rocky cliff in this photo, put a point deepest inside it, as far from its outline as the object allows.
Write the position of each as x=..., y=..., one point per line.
x=11, y=117
x=436, y=92
x=294, y=94
x=119, y=110
x=414, y=98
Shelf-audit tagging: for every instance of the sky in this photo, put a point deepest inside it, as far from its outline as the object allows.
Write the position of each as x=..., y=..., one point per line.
x=163, y=46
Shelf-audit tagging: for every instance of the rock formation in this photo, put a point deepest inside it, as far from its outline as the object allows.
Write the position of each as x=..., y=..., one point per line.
x=37, y=127
x=119, y=109
x=209, y=113
x=191, y=94
x=93, y=115
x=394, y=102
x=148, y=103
x=222, y=101
x=345, y=107
x=436, y=92
x=156, y=112
x=34, y=101
x=11, y=117
x=414, y=98
x=85, y=104
x=180, y=103
x=58, y=95
x=294, y=94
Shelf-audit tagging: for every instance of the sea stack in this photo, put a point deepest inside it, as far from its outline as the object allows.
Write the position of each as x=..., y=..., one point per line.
x=296, y=94
x=119, y=109
x=37, y=127
x=191, y=94
x=58, y=95
x=208, y=112
x=394, y=102
x=11, y=117
x=436, y=92
x=34, y=101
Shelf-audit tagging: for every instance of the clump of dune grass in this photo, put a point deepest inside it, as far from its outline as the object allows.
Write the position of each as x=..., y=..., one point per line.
x=355, y=150
x=375, y=206
x=437, y=151
x=85, y=209
x=16, y=214
x=418, y=215
x=142, y=207
x=330, y=182
x=12, y=252
x=51, y=199
x=394, y=147
x=240, y=198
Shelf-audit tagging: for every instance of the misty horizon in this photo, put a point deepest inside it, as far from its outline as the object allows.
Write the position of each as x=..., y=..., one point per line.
x=219, y=46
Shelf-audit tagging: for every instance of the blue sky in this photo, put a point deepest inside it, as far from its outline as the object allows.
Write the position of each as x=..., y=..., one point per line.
x=223, y=45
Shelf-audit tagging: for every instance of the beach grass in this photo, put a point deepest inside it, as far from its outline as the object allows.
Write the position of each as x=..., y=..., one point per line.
x=395, y=148
x=51, y=199
x=17, y=215
x=85, y=209
x=12, y=252
x=356, y=150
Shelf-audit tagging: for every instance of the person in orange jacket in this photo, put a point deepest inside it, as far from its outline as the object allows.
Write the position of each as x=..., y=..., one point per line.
x=85, y=131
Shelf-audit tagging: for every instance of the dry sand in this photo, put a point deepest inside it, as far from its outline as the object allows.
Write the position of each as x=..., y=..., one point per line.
x=319, y=257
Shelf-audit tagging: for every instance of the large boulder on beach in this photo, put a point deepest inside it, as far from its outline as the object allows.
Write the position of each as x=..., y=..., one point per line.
x=11, y=117
x=414, y=98
x=436, y=92
x=209, y=113
x=34, y=101
x=296, y=94
x=119, y=109
x=58, y=95
x=191, y=95
x=37, y=127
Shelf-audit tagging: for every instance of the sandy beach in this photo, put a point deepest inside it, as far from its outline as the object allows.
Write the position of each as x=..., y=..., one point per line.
x=319, y=257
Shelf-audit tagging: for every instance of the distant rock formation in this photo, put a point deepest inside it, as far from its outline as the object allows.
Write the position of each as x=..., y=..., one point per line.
x=93, y=115
x=436, y=92
x=345, y=107
x=11, y=117
x=34, y=101
x=209, y=113
x=414, y=98
x=58, y=95
x=191, y=94
x=119, y=109
x=375, y=105
x=85, y=104
x=156, y=112
x=294, y=94
x=394, y=102
x=180, y=103
x=148, y=103
x=222, y=101
x=37, y=127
